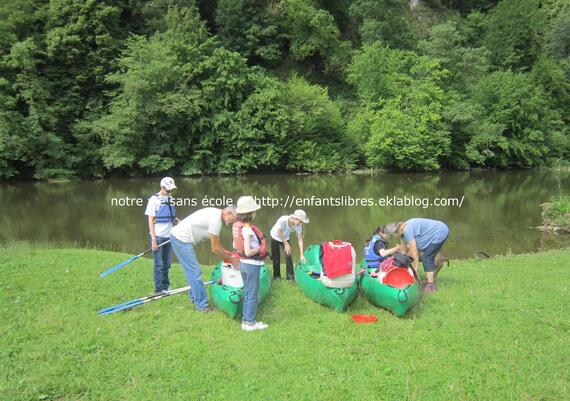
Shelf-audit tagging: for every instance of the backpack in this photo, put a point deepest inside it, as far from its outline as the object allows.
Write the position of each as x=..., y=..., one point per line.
x=402, y=260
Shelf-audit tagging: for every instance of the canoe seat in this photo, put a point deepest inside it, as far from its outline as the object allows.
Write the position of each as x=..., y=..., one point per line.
x=342, y=281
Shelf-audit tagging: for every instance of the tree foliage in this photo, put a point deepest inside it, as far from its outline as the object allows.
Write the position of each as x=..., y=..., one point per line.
x=515, y=33
x=247, y=27
x=90, y=88
x=187, y=105
x=405, y=104
x=515, y=124
x=313, y=34
x=385, y=21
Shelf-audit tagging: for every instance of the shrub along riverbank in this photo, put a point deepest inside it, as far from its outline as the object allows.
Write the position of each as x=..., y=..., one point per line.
x=556, y=215
x=495, y=330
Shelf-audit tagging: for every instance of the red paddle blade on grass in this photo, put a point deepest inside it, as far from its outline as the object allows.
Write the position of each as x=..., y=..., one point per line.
x=364, y=318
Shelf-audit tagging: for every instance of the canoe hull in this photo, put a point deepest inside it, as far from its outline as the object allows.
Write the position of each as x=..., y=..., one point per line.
x=397, y=300
x=336, y=298
x=230, y=299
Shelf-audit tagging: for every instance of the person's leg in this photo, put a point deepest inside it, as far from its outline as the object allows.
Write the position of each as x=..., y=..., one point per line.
x=289, y=267
x=187, y=258
x=429, y=263
x=157, y=257
x=250, y=275
x=166, y=259
x=439, y=261
x=276, y=257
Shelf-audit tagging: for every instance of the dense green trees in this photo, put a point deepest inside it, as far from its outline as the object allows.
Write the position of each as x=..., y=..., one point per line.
x=385, y=21
x=402, y=102
x=515, y=32
x=186, y=103
x=515, y=122
x=248, y=27
x=92, y=88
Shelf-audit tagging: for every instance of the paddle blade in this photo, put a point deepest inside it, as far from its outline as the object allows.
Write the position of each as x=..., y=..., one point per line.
x=110, y=308
x=118, y=308
x=119, y=266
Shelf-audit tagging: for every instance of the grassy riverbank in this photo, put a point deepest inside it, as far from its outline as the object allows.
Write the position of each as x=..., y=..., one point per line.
x=496, y=330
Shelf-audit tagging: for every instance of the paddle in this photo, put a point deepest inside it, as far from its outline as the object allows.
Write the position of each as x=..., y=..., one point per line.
x=129, y=260
x=144, y=300
x=416, y=276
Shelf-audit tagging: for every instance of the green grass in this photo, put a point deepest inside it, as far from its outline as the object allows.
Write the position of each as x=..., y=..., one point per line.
x=496, y=330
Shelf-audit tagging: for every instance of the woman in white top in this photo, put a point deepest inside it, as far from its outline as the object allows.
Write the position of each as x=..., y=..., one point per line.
x=250, y=262
x=280, y=240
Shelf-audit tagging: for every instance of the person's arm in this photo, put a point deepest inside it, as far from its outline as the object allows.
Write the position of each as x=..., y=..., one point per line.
x=301, y=247
x=403, y=247
x=218, y=249
x=412, y=251
x=388, y=252
x=247, y=249
x=154, y=243
x=281, y=236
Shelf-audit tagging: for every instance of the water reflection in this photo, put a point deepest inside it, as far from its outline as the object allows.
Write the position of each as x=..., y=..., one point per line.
x=497, y=215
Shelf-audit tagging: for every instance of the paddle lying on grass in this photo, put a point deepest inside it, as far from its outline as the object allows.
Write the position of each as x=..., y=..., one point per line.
x=129, y=260
x=143, y=300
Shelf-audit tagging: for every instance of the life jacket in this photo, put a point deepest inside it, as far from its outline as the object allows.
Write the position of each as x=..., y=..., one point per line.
x=167, y=211
x=372, y=259
x=238, y=241
x=337, y=258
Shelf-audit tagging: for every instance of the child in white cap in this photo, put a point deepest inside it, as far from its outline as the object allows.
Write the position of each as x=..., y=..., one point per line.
x=161, y=216
x=250, y=244
x=280, y=240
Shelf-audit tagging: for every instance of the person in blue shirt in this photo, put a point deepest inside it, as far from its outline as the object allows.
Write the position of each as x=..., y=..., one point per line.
x=422, y=239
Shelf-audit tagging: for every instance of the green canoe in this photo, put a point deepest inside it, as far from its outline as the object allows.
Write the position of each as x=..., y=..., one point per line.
x=230, y=299
x=396, y=300
x=335, y=298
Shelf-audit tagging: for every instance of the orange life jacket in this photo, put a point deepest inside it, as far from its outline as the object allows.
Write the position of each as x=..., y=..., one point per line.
x=239, y=242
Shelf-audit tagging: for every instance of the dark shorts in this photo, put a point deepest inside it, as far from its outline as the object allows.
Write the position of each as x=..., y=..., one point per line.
x=429, y=254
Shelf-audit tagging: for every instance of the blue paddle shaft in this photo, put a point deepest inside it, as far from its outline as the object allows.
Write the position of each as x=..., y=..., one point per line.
x=129, y=260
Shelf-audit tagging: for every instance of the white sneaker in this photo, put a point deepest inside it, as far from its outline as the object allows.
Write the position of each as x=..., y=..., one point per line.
x=256, y=326
x=248, y=327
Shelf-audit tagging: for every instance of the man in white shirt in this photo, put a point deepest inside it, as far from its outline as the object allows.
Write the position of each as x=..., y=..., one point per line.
x=199, y=226
x=280, y=239
x=161, y=216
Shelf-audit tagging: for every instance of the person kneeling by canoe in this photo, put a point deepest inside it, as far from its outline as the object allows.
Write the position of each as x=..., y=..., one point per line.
x=199, y=226
x=250, y=244
x=280, y=239
x=422, y=238
x=376, y=248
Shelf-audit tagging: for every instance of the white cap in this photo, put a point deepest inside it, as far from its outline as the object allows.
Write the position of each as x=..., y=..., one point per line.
x=247, y=204
x=300, y=215
x=168, y=183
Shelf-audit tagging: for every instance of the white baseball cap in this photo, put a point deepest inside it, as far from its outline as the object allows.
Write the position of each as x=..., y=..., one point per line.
x=168, y=183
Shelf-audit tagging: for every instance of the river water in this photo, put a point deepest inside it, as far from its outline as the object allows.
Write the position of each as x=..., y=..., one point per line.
x=486, y=210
